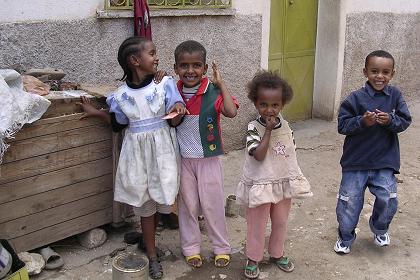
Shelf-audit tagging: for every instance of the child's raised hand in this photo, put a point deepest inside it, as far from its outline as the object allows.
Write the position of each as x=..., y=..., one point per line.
x=159, y=76
x=88, y=108
x=369, y=118
x=382, y=118
x=270, y=123
x=217, y=78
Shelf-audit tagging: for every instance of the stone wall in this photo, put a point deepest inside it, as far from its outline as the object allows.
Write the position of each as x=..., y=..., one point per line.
x=87, y=49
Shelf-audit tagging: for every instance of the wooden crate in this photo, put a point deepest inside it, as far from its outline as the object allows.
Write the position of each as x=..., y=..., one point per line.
x=56, y=178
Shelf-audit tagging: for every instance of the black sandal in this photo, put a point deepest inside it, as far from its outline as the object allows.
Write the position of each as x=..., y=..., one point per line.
x=155, y=269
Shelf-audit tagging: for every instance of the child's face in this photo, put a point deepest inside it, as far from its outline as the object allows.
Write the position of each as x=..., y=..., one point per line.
x=269, y=102
x=190, y=68
x=379, y=72
x=146, y=59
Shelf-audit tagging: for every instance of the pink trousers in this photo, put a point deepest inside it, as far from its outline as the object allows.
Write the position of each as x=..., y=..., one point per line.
x=257, y=219
x=201, y=192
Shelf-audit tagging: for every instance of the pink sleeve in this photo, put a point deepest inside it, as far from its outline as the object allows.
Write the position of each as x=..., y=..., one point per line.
x=218, y=105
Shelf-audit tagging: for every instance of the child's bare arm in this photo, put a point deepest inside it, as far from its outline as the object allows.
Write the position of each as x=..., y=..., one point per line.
x=180, y=109
x=91, y=111
x=229, y=108
x=261, y=151
x=159, y=76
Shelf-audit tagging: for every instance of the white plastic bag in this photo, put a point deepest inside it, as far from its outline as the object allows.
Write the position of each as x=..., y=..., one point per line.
x=17, y=107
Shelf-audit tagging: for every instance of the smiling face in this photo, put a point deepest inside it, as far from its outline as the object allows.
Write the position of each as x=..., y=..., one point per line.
x=269, y=102
x=190, y=67
x=379, y=71
x=147, y=58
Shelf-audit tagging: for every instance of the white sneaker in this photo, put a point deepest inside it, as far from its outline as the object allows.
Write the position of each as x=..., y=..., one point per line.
x=381, y=239
x=339, y=248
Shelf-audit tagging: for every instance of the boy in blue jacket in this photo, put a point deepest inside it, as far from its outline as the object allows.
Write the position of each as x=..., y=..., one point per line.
x=371, y=119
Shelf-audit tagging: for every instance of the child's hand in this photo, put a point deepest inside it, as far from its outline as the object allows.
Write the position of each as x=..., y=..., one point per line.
x=217, y=78
x=159, y=76
x=179, y=108
x=88, y=108
x=369, y=118
x=382, y=118
x=270, y=123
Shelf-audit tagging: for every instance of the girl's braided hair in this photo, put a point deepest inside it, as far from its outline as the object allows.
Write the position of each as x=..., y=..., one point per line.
x=130, y=46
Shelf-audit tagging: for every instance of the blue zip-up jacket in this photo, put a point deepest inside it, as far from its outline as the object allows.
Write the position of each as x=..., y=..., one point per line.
x=377, y=146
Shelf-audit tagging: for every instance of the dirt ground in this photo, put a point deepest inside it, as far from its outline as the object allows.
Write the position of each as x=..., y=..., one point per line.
x=312, y=224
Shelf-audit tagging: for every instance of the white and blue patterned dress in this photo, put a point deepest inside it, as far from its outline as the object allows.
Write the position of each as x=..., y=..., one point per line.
x=148, y=164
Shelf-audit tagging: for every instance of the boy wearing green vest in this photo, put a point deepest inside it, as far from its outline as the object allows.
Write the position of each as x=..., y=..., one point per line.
x=200, y=142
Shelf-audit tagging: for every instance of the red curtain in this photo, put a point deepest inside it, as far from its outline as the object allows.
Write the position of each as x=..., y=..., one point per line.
x=142, y=25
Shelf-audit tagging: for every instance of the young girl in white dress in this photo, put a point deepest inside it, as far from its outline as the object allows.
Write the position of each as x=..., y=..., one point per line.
x=271, y=175
x=147, y=176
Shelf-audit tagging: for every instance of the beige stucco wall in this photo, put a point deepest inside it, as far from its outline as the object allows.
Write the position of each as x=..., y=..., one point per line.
x=347, y=31
x=85, y=46
x=395, y=33
x=262, y=8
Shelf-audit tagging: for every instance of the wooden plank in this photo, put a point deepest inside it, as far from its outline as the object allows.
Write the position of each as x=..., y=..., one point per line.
x=65, y=105
x=43, y=201
x=55, y=125
x=56, y=142
x=98, y=90
x=50, y=162
x=53, y=216
x=54, y=180
x=62, y=230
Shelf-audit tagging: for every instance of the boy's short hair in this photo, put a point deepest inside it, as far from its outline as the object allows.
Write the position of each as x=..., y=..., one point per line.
x=190, y=46
x=379, y=53
x=269, y=80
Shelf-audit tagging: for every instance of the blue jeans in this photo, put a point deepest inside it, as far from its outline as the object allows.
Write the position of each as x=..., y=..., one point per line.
x=382, y=184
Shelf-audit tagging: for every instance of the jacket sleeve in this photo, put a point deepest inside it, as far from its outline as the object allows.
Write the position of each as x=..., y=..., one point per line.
x=400, y=117
x=349, y=123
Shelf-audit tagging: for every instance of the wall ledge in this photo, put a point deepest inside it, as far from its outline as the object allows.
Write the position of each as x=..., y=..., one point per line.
x=103, y=14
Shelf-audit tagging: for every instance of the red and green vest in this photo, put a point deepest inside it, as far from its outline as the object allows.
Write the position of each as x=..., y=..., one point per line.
x=199, y=135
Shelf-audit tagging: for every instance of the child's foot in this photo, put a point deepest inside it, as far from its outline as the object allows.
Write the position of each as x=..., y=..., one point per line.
x=381, y=239
x=221, y=260
x=251, y=270
x=155, y=269
x=195, y=261
x=339, y=247
x=284, y=263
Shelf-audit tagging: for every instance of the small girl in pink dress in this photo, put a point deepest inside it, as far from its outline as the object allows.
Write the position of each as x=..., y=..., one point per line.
x=271, y=174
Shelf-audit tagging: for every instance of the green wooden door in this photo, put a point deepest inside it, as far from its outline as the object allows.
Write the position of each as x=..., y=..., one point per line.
x=292, y=51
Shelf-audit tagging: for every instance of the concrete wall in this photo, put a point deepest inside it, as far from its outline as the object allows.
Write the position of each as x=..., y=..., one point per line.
x=262, y=8
x=347, y=31
x=38, y=10
x=47, y=33
x=395, y=33
x=328, y=59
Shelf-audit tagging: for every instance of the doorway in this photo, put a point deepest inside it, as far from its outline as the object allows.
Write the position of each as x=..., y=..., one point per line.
x=292, y=51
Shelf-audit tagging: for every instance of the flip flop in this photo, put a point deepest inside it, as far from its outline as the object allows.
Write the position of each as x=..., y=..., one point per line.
x=251, y=268
x=52, y=259
x=189, y=260
x=155, y=269
x=284, y=263
x=217, y=258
